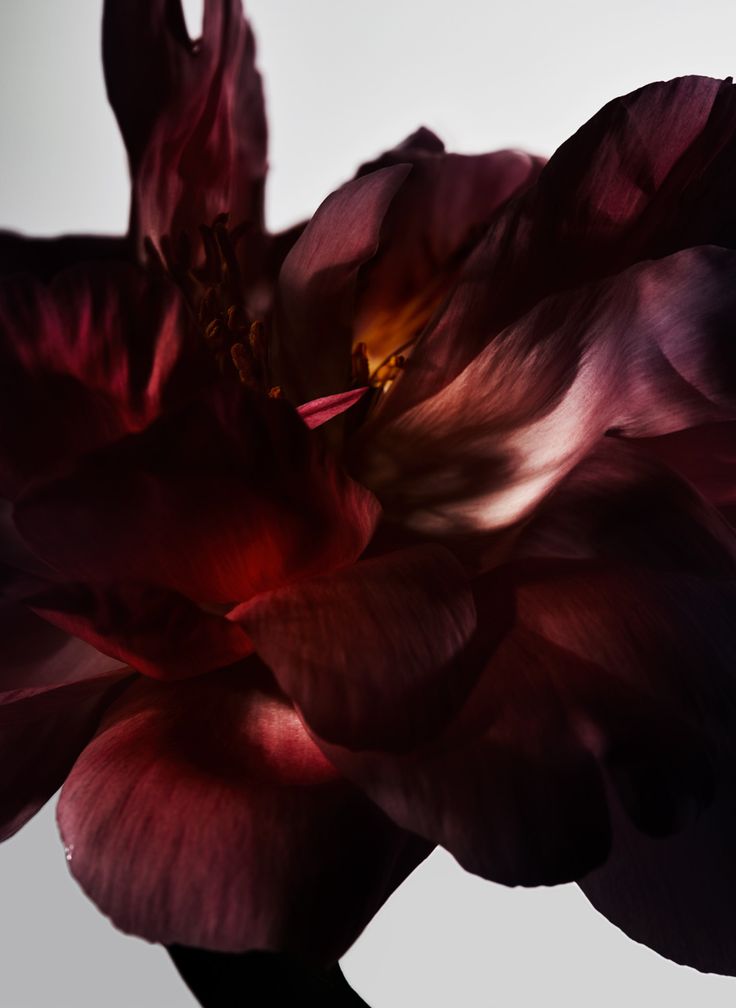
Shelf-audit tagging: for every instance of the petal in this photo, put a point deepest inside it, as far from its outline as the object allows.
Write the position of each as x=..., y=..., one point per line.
x=319, y=411
x=227, y=498
x=615, y=673
x=97, y=354
x=675, y=894
x=43, y=257
x=646, y=352
x=191, y=114
x=318, y=285
x=438, y=215
x=649, y=175
x=705, y=456
x=204, y=815
x=156, y=632
x=369, y=654
x=42, y=731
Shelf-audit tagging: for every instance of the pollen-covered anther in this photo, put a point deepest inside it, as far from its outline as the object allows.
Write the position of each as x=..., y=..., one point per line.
x=387, y=372
x=243, y=361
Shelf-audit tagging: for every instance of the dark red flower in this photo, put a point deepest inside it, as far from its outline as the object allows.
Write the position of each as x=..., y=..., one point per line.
x=409, y=527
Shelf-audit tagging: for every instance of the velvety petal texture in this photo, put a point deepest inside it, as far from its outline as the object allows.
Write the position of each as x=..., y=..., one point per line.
x=191, y=114
x=204, y=815
x=646, y=352
x=369, y=654
x=96, y=354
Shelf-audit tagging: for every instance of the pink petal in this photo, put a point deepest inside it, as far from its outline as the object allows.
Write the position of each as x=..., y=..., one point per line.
x=370, y=655
x=319, y=411
x=191, y=115
x=204, y=815
x=645, y=352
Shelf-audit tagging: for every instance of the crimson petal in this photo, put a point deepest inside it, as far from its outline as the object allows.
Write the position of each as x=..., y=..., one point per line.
x=262, y=844
x=369, y=654
x=191, y=114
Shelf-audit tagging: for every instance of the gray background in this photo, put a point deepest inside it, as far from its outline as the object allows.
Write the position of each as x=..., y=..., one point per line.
x=344, y=79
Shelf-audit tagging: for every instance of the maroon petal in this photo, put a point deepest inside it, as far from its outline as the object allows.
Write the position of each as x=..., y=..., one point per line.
x=675, y=894
x=42, y=731
x=706, y=457
x=318, y=285
x=191, y=114
x=94, y=356
x=649, y=175
x=230, y=497
x=369, y=654
x=204, y=815
x=438, y=215
x=156, y=632
x=616, y=671
x=646, y=352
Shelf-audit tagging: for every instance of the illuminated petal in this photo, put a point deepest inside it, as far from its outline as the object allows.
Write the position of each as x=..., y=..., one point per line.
x=260, y=845
x=646, y=352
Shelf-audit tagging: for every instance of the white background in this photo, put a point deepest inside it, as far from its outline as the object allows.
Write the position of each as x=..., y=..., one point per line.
x=344, y=79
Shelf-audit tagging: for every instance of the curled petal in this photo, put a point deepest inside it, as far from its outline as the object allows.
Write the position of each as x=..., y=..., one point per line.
x=263, y=845
x=319, y=411
x=646, y=352
x=369, y=654
x=191, y=114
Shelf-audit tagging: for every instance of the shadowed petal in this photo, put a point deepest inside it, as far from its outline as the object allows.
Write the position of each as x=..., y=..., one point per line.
x=675, y=894
x=44, y=728
x=369, y=654
x=646, y=352
x=614, y=669
x=97, y=354
x=191, y=114
x=225, y=499
x=262, y=845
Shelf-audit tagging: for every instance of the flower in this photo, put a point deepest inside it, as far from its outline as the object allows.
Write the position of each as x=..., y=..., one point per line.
x=477, y=590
